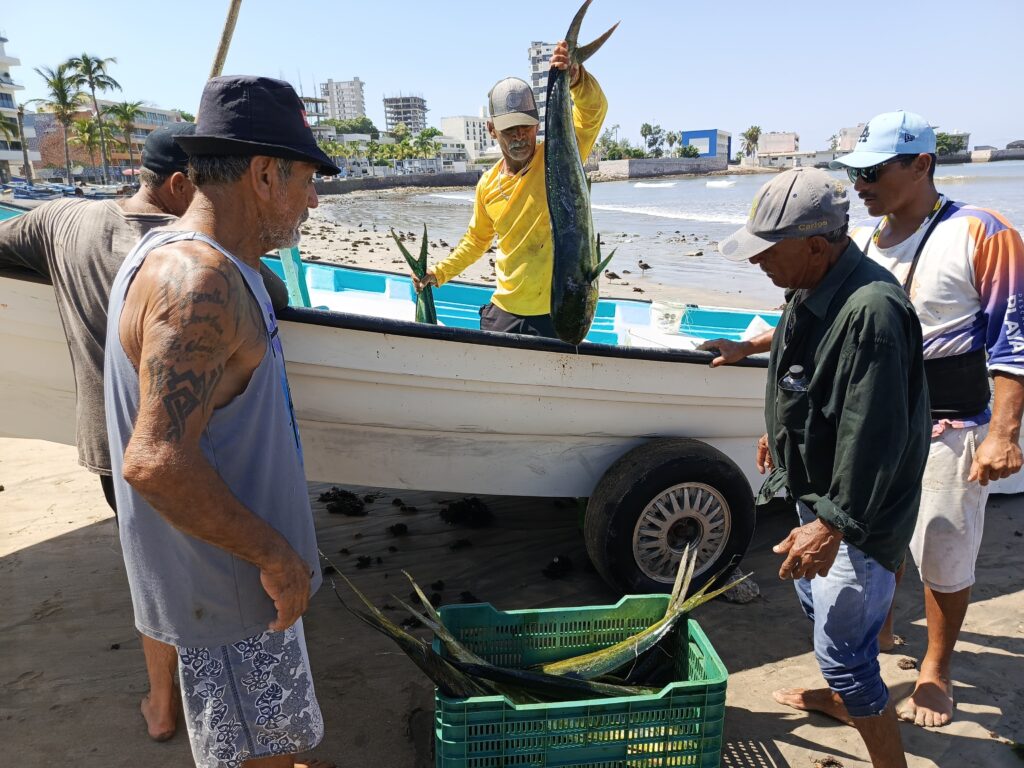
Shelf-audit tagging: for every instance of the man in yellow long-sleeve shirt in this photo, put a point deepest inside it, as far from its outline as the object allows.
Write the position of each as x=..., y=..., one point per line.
x=511, y=201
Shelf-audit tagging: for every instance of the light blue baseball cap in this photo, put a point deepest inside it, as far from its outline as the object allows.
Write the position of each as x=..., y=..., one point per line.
x=888, y=135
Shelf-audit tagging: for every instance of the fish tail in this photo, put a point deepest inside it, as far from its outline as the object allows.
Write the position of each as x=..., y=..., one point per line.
x=413, y=264
x=601, y=264
x=572, y=36
x=423, y=252
x=584, y=52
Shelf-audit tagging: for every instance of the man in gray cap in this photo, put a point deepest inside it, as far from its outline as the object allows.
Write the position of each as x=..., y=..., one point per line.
x=511, y=202
x=846, y=408
x=216, y=524
x=78, y=245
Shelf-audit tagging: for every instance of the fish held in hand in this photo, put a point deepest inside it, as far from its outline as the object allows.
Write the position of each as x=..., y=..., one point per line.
x=577, y=262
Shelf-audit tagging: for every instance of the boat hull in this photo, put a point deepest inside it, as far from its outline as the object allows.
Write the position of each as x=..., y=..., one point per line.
x=402, y=405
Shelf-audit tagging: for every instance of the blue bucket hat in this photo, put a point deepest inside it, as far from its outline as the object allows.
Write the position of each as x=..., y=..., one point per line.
x=246, y=115
x=886, y=136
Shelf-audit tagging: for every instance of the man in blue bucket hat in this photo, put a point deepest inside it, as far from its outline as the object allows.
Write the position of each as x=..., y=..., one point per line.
x=216, y=524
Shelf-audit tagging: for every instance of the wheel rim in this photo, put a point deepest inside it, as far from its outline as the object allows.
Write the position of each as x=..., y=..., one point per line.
x=688, y=513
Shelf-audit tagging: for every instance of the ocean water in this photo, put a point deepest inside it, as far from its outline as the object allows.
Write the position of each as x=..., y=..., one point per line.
x=672, y=224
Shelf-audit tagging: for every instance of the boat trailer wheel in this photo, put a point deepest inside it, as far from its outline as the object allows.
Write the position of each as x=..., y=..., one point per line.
x=687, y=514
x=655, y=500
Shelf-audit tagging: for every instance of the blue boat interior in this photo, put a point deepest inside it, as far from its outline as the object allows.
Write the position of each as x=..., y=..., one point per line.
x=458, y=304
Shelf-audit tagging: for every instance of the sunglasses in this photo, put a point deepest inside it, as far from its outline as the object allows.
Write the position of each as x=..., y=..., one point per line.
x=870, y=175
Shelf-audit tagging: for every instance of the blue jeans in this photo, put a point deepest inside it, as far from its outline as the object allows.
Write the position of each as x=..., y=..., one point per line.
x=848, y=608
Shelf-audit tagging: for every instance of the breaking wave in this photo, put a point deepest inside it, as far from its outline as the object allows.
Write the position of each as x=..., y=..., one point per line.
x=713, y=218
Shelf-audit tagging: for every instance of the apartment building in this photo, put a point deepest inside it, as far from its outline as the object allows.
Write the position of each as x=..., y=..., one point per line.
x=540, y=62
x=346, y=99
x=471, y=130
x=12, y=158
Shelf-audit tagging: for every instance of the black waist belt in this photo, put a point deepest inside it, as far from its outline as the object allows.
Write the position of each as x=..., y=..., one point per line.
x=958, y=385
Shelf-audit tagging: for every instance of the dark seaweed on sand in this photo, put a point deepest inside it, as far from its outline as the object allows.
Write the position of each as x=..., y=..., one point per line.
x=470, y=512
x=342, y=502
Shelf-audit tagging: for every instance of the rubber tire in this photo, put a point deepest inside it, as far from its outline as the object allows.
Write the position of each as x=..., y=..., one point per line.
x=643, y=474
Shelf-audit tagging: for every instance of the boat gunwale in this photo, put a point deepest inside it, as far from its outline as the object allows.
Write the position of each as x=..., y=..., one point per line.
x=345, y=321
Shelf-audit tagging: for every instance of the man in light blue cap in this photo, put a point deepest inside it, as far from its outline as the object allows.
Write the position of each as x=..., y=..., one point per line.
x=963, y=267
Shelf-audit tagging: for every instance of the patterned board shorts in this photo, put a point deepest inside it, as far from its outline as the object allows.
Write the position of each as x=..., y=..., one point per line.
x=250, y=699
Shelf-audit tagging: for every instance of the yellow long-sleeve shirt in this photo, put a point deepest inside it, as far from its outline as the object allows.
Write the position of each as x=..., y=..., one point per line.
x=516, y=209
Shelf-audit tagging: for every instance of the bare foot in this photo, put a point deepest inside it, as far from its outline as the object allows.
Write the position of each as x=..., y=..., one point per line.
x=161, y=721
x=931, y=703
x=823, y=700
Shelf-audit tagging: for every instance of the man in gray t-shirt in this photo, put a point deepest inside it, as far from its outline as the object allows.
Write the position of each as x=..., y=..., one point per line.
x=79, y=245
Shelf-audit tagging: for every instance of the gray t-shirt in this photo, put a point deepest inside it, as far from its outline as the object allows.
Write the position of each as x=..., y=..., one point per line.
x=78, y=245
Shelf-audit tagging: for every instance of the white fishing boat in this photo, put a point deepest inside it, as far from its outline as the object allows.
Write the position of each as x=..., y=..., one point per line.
x=659, y=442
x=633, y=419
x=654, y=184
x=720, y=184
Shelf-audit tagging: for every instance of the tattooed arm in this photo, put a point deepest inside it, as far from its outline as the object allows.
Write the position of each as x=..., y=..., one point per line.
x=195, y=335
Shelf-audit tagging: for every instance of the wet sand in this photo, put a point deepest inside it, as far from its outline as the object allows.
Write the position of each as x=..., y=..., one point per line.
x=72, y=671
x=328, y=237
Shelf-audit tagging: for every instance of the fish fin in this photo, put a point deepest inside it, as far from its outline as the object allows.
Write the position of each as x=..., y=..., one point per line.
x=427, y=605
x=602, y=265
x=586, y=51
x=573, y=35
x=704, y=596
x=413, y=264
x=682, y=581
x=423, y=250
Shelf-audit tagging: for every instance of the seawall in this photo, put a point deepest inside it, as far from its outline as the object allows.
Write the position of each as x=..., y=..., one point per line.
x=617, y=170
x=341, y=186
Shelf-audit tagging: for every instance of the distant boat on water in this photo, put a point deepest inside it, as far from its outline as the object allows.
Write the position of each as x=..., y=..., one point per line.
x=720, y=184
x=655, y=184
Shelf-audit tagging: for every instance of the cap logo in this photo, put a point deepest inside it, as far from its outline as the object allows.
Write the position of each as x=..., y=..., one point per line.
x=305, y=121
x=514, y=100
x=864, y=134
x=908, y=137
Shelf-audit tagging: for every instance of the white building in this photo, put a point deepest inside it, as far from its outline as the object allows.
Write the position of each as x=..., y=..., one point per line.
x=12, y=159
x=454, y=154
x=781, y=149
x=471, y=130
x=345, y=98
x=848, y=138
x=540, y=63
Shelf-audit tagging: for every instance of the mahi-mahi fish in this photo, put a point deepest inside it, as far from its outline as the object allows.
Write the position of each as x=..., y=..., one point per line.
x=577, y=251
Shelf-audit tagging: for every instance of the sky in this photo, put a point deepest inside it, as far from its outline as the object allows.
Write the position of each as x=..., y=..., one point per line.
x=807, y=66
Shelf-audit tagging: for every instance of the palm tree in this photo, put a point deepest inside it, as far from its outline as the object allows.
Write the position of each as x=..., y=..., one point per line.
x=671, y=138
x=92, y=72
x=87, y=135
x=27, y=169
x=63, y=101
x=125, y=114
x=750, y=138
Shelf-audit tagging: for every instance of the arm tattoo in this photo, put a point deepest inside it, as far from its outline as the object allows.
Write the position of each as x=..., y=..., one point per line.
x=184, y=393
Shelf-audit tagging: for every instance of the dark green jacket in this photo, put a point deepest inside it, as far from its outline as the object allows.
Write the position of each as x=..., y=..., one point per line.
x=854, y=445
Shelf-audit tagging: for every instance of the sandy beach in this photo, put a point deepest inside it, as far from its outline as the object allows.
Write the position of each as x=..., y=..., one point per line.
x=72, y=671
x=334, y=236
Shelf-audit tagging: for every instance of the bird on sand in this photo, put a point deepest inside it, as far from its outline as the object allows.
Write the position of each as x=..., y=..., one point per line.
x=610, y=275
x=644, y=266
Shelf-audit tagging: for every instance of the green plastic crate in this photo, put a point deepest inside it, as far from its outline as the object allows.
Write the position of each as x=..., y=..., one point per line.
x=679, y=726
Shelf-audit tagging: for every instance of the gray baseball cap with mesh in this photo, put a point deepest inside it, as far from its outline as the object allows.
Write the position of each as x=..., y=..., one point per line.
x=802, y=202
x=511, y=103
